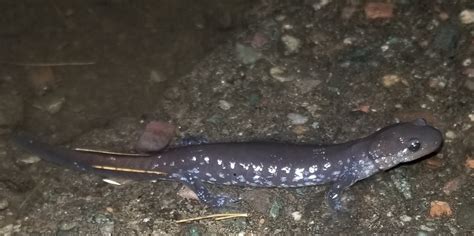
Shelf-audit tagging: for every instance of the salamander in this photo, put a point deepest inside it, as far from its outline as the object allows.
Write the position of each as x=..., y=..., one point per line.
x=259, y=164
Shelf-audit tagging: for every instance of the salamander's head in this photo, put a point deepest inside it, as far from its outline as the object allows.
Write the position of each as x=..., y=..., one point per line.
x=403, y=142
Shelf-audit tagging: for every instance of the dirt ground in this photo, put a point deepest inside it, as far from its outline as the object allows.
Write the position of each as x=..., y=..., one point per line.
x=93, y=73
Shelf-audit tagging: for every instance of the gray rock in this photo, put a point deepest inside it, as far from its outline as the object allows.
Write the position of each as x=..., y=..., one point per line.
x=247, y=55
x=292, y=44
x=297, y=119
x=279, y=74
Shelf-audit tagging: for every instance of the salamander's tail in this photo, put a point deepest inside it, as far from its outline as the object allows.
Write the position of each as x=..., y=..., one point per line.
x=100, y=163
x=57, y=155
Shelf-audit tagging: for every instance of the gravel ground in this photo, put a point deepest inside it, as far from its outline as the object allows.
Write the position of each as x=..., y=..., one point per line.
x=308, y=72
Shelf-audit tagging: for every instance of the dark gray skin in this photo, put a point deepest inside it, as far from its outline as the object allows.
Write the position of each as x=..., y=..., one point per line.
x=261, y=164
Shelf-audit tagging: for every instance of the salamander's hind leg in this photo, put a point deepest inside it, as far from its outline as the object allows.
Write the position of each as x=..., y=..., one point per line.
x=209, y=199
x=204, y=195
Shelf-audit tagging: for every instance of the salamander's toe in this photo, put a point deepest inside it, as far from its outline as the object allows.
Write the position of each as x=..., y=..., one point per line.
x=221, y=201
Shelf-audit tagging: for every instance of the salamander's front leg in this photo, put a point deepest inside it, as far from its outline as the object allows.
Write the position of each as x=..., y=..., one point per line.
x=204, y=195
x=335, y=192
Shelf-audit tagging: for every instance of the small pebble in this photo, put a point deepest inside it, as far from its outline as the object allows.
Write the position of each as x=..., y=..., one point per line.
x=390, y=80
x=67, y=225
x=467, y=62
x=450, y=134
x=469, y=72
x=296, y=215
x=292, y=44
x=299, y=129
x=247, y=55
x=469, y=84
x=405, y=218
x=279, y=74
x=467, y=16
x=438, y=82
x=275, y=209
x=187, y=193
x=320, y=4
x=224, y=105
x=3, y=204
x=297, y=119
x=426, y=228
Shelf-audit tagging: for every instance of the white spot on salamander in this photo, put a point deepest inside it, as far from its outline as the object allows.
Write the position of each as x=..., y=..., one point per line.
x=172, y=163
x=257, y=167
x=256, y=177
x=312, y=177
x=206, y=159
x=194, y=170
x=272, y=169
x=219, y=161
x=326, y=165
x=221, y=175
x=313, y=168
x=245, y=166
x=283, y=179
x=298, y=174
x=193, y=158
x=209, y=174
x=241, y=178
x=212, y=179
x=232, y=165
x=286, y=169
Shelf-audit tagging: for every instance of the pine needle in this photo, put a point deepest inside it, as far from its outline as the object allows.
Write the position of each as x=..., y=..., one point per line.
x=216, y=217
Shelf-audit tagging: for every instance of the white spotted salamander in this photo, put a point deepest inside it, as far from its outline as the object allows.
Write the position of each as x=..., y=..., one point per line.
x=260, y=164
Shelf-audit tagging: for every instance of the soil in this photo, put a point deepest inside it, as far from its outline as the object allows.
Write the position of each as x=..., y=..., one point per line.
x=94, y=73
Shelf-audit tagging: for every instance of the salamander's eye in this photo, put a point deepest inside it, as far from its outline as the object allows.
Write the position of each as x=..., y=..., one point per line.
x=414, y=144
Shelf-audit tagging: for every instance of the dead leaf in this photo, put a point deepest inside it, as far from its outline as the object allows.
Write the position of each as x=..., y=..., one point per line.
x=439, y=209
x=470, y=163
x=374, y=10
